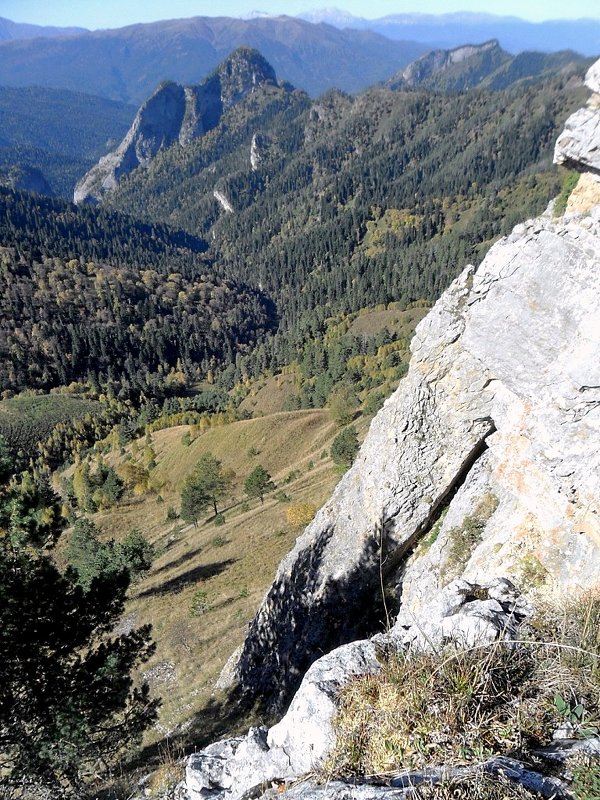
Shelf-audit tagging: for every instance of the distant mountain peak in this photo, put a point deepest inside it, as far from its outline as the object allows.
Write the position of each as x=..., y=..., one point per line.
x=470, y=64
x=241, y=72
x=484, y=65
x=256, y=14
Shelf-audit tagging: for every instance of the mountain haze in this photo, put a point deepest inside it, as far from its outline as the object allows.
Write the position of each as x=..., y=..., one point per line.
x=127, y=64
x=448, y=31
x=21, y=30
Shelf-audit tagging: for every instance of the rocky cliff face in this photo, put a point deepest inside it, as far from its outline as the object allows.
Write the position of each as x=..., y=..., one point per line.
x=493, y=437
x=480, y=474
x=176, y=113
x=475, y=62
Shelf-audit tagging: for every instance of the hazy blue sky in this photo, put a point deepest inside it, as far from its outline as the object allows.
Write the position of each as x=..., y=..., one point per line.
x=115, y=13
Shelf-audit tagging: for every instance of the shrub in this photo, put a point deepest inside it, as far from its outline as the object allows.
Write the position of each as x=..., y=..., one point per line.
x=464, y=538
x=199, y=603
x=93, y=559
x=345, y=446
x=300, y=514
x=219, y=520
x=569, y=183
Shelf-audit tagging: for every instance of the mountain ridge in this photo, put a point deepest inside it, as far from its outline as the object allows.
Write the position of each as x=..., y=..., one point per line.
x=127, y=64
x=10, y=30
x=175, y=113
x=447, y=31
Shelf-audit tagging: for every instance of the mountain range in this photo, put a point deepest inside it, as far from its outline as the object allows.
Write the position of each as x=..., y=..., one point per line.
x=178, y=114
x=323, y=50
x=452, y=30
x=127, y=64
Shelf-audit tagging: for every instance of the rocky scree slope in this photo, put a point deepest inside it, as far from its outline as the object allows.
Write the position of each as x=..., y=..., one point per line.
x=493, y=440
x=176, y=113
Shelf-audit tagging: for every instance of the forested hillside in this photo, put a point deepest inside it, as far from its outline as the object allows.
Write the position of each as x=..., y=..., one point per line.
x=338, y=205
x=349, y=202
x=59, y=133
x=98, y=297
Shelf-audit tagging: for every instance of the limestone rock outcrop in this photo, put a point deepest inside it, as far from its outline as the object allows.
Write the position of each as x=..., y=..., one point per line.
x=478, y=484
x=175, y=113
x=476, y=62
x=578, y=146
x=464, y=613
x=495, y=432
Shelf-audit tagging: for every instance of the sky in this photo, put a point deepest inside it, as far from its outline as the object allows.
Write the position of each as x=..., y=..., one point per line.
x=116, y=13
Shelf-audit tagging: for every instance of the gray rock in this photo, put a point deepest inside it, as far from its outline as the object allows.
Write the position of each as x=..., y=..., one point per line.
x=300, y=742
x=176, y=114
x=305, y=733
x=503, y=397
x=230, y=768
x=592, y=78
x=463, y=613
x=578, y=146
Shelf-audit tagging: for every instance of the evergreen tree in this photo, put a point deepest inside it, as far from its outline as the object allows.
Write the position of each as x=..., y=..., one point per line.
x=67, y=699
x=345, y=446
x=258, y=483
x=205, y=486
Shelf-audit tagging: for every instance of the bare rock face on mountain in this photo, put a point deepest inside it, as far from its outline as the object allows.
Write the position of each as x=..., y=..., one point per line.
x=485, y=463
x=480, y=475
x=578, y=146
x=471, y=63
x=173, y=114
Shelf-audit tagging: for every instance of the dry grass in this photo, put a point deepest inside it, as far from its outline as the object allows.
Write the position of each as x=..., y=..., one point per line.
x=483, y=787
x=402, y=322
x=461, y=707
x=231, y=565
x=269, y=395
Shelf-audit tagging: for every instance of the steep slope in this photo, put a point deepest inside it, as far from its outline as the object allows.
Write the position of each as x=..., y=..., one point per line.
x=486, y=65
x=501, y=401
x=60, y=134
x=176, y=113
x=481, y=472
x=127, y=64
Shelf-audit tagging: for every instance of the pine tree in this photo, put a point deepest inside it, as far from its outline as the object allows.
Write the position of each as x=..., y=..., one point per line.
x=205, y=486
x=258, y=483
x=67, y=698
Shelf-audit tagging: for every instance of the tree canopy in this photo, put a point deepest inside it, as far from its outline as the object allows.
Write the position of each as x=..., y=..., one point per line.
x=206, y=485
x=258, y=483
x=68, y=703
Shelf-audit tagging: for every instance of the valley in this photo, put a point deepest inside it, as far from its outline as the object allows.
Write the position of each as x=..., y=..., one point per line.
x=255, y=406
